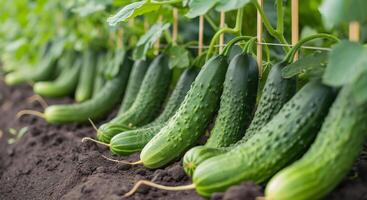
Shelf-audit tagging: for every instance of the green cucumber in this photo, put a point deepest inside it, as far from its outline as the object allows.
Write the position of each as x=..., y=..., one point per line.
x=330, y=157
x=237, y=102
x=43, y=72
x=113, y=68
x=84, y=88
x=132, y=141
x=278, y=143
x=99, y=80
x=192, y=118
x=135, y=80
x=147, y=104
x=64, y=85
x=276, y=92
x=94, y=108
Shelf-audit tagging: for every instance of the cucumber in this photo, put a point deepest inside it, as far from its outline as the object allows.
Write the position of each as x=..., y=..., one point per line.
x=147, y=104
x=64, y=85
x=276, y=92
x=277, y=144
x=99, y=80
x=132, y=141
x=43, y=72
x=237, y=102
x=330, y=157
x=192, y=118
x=113, y=69
x=84, y=88
x=135, y=80
x=95, y=108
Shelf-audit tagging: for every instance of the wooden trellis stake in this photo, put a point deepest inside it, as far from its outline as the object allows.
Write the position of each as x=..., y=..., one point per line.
x=175, y=26
x=295, y=25
x=354, y=31
x=259, y=39
x=222, y=24
x=201, y=35
x=120, y=38
x=158, y=43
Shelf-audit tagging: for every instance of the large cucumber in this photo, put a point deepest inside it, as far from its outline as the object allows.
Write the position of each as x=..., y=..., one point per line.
x=276, y=92
x=95, y=108
x=135, y=80
x=188, y=124
x=132, y=141
x=64, y=85
x=278, y=143
x=84, y=90
x=237, y=102
x=147, y=104
x=330, y=157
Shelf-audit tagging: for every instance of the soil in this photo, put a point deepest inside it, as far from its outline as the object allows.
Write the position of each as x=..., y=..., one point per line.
x=50, y=162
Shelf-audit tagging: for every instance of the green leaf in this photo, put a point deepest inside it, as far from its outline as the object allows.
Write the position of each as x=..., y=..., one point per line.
x=132, y=10
x=179, y=57
x=312, y=65
x=227, y=5
x=148, y=39
x=200, y=7
x=347, y=62
x=338, y=11
x=359, y=89
x=92, y=6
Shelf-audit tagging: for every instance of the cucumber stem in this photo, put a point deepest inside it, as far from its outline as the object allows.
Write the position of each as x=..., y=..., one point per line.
x=155, y=185
x=233, y=42
x=93, y=125
x=96, y=141
x=30, y=112
x=122, y=161
x=290, y=55
x=39, y=99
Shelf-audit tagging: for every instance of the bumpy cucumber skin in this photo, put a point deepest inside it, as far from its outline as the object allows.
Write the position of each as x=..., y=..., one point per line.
x=148, y=102
x=235, y=111
x=276, y=92
x=280, y=142
x=94, y=108
x=135, y=80
x=45, y=71
x=129, y=142
x=188, y=124
x=330, y=157
x=64, y=85
x=84, y=90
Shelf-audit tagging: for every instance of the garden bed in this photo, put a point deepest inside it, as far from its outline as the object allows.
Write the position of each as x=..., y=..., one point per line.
x=50, y=162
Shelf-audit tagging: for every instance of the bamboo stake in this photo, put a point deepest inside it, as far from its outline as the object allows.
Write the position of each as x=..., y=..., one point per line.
x=120, y=38
x=295, y=25
x=158, y=43
x=259, y=39
x=175, y=26
x=354, y=31
x=201, y=35
x=222, y=24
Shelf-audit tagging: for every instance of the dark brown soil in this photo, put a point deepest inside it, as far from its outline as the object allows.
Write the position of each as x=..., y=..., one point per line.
x=50, y=162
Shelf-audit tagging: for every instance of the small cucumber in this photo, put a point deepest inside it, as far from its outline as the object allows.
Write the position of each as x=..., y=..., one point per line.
x=95, y=108
x=277, y=144
x=133, y=141
x=84, y=89
x=276, y=92
x=330, y=157
x=138, y=72
x=99, y=80
x=43, y=72
x=147, y=104
x=192, y=118
x=64, y=85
